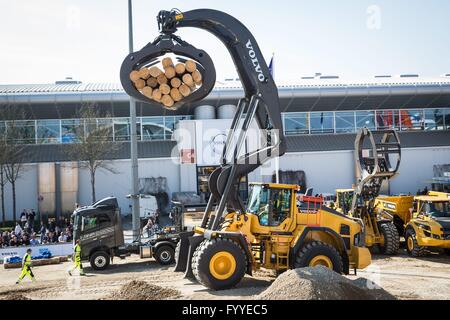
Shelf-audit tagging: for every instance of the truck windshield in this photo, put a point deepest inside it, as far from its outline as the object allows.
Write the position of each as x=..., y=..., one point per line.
x=272, y=206
x=438, y=209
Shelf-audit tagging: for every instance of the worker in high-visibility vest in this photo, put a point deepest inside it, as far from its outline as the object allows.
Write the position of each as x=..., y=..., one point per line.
x=26, y=267
x=77, y=259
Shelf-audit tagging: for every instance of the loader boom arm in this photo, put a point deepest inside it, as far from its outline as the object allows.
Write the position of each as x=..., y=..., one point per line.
x=261, y=102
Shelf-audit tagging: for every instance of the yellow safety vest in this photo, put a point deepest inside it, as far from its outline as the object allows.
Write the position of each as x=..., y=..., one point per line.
x=77, y=250
x=26, y=260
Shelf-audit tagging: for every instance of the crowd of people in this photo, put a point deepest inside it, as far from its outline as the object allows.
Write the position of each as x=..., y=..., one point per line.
x=24, y=233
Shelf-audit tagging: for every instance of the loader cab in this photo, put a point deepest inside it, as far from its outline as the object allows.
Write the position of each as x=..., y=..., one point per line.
x=270, y=203
x=344, y=199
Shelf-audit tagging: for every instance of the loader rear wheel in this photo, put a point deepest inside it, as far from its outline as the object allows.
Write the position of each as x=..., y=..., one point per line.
x=412, y=247
x=391, y=239
x=219, y=263
x=318, y=253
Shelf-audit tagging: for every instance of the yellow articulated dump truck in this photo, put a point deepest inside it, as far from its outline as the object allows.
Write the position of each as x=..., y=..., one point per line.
x=424, y=220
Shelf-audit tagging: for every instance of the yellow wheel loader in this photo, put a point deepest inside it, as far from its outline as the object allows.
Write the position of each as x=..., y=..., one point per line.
x=275, y=232
x=373, y=167
x=270, y=231
x=424, y=220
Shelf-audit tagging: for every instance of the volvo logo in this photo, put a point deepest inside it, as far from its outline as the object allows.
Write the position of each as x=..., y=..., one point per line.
x=254, y=59
x=218, y=142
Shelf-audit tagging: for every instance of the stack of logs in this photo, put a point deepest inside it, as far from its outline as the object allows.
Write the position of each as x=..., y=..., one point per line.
x=168, y=86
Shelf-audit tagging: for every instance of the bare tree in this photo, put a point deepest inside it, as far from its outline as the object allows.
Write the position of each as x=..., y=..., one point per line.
x=12, y=152
x=3, y=180
x=93, y=144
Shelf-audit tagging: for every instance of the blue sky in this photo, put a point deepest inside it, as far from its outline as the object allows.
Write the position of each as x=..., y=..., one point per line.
x=46, y=40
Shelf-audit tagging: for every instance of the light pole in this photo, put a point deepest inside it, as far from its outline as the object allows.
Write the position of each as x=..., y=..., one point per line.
x=133, y=142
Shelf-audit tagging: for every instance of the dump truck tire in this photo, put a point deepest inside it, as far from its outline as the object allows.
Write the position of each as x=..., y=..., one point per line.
x=165, y=255
x=219, y=263
x=319, y=253
x=391, y=239
x=99, y=260
x=412, y=247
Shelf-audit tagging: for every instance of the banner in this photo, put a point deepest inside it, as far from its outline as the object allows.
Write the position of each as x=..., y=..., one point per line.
x=57, y=250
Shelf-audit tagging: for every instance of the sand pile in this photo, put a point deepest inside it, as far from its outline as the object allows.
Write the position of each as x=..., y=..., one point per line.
x=320, y=283
x=14, y=296
x=141, y=290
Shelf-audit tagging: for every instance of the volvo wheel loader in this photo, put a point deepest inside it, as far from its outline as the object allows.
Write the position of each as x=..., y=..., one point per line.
x=373, y=160
x=270, y=231
x=423, y=220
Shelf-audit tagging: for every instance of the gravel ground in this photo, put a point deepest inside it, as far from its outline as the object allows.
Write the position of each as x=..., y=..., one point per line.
x=401, y=276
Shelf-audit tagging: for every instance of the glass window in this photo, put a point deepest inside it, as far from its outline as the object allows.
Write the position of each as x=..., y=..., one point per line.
x=365, y=119
x=387, y=119
x=71, y=130
x=107, y=126
x=153, y=128
x=296, y=123
x=88, y=223
x=321, y=122
x=412, y=119
x=22, y=132
x=48, y=131
x=122, y=129
x=345, y=122
x=434, y=119
x=447, y=119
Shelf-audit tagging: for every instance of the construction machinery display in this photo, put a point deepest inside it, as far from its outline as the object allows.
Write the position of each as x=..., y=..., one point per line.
x=377, y=159
x=423, y=220
x=271, y=231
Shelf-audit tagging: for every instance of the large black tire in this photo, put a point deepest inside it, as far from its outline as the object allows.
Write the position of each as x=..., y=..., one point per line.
x=312, y=252
x=211, y=249
x=99, y=260
x=165, y=255
x=412, y=247
x=391, y=239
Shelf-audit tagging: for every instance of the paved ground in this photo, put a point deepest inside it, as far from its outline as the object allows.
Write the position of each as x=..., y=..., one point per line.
x=402, y=276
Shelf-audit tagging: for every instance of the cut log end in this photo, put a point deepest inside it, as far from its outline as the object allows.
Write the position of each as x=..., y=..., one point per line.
x=167, y=100
x=191, y=66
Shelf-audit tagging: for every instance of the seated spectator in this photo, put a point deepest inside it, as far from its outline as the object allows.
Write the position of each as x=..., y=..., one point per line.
x=44, y=238
x=34, y=241
x=13, y=242
x=28, y=228
x=52, y=225
x=18, y=229
x=69, y=235
x=1, y=240
x=6, y=237
x=43, y=231
x=62, y=237
x=25, y=240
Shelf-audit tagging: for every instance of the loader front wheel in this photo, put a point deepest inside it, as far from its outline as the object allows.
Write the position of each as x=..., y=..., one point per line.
x=412, y=247
x=317, y=253
x=391, y=239
x=219, y=263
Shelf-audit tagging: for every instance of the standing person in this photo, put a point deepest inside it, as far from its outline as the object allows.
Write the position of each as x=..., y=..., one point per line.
x=26, y=267
x=23, y=217
x=77, y=259
x=18, y=230
x=43, y=231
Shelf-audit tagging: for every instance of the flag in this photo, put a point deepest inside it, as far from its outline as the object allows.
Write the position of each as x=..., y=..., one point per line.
x=271, y=65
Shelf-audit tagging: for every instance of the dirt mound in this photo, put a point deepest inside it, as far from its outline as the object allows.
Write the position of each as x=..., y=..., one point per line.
x=320, y=283
x=14, y=296
x=141, y=290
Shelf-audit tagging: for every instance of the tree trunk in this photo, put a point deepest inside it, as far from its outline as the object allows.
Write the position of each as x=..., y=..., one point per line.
x=3, y=196
x=13, y=185
x=93, y=185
